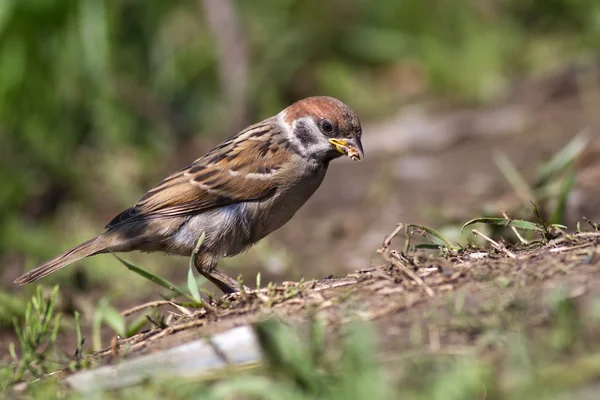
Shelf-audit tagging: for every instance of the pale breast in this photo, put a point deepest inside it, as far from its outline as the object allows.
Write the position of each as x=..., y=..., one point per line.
x=232, y=229
x=273, y=214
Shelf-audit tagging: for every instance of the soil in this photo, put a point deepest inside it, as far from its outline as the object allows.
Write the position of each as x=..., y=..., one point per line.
x=453, y=301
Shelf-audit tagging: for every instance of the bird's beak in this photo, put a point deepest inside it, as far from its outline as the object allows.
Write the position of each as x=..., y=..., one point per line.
x=350, y=147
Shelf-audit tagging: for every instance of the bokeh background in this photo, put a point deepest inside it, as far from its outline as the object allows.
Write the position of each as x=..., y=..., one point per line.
x=99, y=100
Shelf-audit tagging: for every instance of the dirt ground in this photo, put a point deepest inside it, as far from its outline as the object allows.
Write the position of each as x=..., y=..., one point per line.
x=456, y=303
x=443, y=303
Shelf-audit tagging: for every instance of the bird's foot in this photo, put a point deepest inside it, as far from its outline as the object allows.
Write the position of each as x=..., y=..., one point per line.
x=224, y=282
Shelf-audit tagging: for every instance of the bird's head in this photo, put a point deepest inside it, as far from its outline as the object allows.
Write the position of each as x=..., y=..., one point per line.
x=323, y=128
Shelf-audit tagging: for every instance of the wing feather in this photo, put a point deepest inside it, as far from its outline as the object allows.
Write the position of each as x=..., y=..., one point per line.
x=241, y=169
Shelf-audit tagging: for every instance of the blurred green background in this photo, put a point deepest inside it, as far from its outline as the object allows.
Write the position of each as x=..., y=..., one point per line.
x=100, y=99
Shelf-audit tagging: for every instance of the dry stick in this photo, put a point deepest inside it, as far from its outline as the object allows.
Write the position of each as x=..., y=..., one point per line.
x=135, y=309
x=516, y=232
x=394, y=258
x=593, y=224
x=152, y=304
x=159, y=334
x=114, y=347
x=570, y=238
x=388, y=239
x=561, y=249
x=587, y=234
x=182, y=310
x=494, y=244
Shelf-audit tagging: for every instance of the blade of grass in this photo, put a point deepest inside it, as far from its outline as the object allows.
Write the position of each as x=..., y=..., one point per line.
x=514, y=177
x=543, y=224
x=428, y=246
x=562, y=159
x=114, y=319
x=434, y=233
x=559, y=212
x=80, y=339
x=137, y=324
x=154, y=278
x=517, y=223
x=192, y=284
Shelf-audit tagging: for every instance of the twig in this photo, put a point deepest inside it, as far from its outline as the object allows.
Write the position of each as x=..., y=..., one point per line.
x=396, y=259
x=114, y=347
x=182, y=310
x=148, y=338
x=516, y=232
x=561, y=249
x=393, y=257
x=570, y=238
x=494, y=244
x=594, y=225
x=388, y=239
x=587, y=234
x=135, y=309
x=335, y=285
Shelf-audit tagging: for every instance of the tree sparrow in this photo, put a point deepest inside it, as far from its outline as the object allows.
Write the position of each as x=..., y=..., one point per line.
x=238, y=193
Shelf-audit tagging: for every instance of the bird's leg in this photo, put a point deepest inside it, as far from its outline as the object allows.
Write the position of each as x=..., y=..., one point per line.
x=207, y=268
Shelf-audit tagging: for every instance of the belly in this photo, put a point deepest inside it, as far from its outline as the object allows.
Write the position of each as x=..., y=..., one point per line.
x=226, y=229
x=232, y=229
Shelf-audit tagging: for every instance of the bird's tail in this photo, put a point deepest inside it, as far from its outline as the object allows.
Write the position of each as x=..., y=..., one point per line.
x=97, y=245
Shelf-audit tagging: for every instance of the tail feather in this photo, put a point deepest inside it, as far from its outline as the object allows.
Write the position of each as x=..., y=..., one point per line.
x=91, y=247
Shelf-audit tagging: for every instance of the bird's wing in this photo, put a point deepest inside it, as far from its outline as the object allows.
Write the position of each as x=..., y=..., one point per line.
x=241, y=169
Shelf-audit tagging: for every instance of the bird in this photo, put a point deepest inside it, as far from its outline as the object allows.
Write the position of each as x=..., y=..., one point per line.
x=235, y=195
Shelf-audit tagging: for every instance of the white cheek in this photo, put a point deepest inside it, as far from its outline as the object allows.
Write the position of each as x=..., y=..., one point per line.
x=318, y=143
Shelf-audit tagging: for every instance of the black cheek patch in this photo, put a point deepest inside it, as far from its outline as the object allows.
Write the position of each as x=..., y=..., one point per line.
x=302, y=132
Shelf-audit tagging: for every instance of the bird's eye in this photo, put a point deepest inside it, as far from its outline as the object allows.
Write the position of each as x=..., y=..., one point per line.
x=326, y=126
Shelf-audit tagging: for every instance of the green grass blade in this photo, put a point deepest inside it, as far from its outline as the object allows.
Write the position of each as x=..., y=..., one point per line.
x=562, y=159
x=153, y=278
x=55, y=329
x=542, y=223
x=79, y=350
x=434, y=233
x=517, y=223
x=559, y=212
x=137, y=324
x=514, y=177
x=427, y=246
x=114, y=319
x=192, y=284
x=97, y=326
